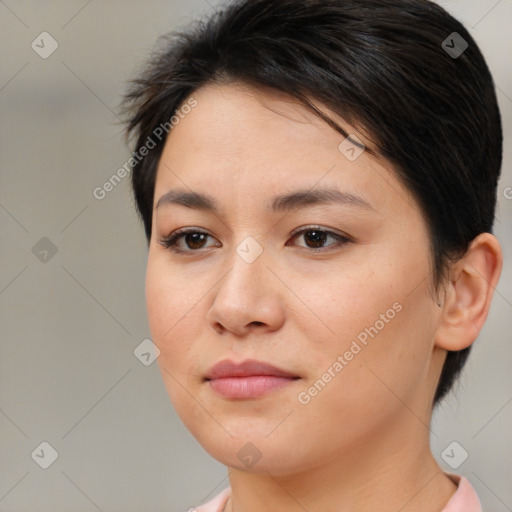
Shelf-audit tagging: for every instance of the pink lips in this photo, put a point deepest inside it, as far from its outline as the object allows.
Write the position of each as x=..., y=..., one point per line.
x=249, y=379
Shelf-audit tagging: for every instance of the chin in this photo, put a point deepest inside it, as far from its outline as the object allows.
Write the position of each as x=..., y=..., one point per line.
x=251, y=449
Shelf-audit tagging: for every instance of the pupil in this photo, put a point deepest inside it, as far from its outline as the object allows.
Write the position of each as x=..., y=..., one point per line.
x=195, y=239
x=317, y=237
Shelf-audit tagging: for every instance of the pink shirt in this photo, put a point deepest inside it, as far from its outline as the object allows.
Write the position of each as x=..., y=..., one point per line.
x=465, y=499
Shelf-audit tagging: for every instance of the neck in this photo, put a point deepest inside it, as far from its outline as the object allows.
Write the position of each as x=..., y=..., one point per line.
x=396, y=473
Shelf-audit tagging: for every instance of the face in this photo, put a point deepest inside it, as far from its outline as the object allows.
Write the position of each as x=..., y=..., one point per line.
x=296, y=313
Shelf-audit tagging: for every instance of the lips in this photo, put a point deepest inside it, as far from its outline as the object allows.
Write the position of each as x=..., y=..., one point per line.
x=249, y=379
x=249, y=368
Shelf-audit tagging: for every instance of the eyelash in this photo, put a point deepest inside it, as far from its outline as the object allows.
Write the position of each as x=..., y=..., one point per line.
x=170, y=242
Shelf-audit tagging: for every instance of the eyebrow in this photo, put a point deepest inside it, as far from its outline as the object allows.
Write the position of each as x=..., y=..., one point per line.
x=291, y=201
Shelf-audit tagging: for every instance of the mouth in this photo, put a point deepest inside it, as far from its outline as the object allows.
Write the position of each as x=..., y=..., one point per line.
x=249, y=379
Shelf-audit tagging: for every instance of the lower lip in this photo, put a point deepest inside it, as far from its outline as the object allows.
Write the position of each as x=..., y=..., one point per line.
x=248, y=387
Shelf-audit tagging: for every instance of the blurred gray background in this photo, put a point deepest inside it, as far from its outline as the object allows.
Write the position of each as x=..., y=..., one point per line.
x=72, y=277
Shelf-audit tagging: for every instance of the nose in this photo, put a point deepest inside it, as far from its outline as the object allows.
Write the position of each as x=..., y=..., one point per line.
x=248, y=298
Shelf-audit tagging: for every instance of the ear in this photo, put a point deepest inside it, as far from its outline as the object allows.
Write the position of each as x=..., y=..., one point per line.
x=468, y=293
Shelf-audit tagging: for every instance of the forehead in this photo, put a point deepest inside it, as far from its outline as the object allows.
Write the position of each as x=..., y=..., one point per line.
x=261, y=118
x=255, y=141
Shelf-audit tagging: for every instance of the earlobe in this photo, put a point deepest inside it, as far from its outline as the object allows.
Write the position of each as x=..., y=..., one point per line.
x=469, y=293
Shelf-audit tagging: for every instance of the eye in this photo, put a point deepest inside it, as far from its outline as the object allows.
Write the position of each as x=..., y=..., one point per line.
x=193, y=239
x=316, y=238
x=189, y=240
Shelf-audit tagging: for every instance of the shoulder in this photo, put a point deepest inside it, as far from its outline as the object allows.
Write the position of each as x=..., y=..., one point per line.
x=465, y=498
x=216, y=504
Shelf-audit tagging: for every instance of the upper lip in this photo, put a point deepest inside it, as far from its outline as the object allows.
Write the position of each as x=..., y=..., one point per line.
x=249, y=368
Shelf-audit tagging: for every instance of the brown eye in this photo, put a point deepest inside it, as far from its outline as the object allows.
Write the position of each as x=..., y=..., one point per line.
x=193, y=240
x=316, y=238
x=189, y=240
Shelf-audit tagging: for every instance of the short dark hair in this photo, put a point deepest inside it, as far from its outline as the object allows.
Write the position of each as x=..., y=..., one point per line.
x=391, y=67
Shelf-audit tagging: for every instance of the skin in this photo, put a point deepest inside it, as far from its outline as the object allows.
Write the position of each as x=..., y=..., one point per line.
x=362, y=443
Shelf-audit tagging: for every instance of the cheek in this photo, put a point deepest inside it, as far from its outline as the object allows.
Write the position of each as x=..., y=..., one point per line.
x=374, y=379
x=172, y=308
x=171, y=301
x=377, y=319
x=348, y=302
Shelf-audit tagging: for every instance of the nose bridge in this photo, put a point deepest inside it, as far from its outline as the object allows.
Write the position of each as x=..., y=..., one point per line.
x=247, y=294
x=248, y=270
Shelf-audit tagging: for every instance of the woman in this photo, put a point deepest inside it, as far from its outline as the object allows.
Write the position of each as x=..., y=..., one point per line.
x=317, y=182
